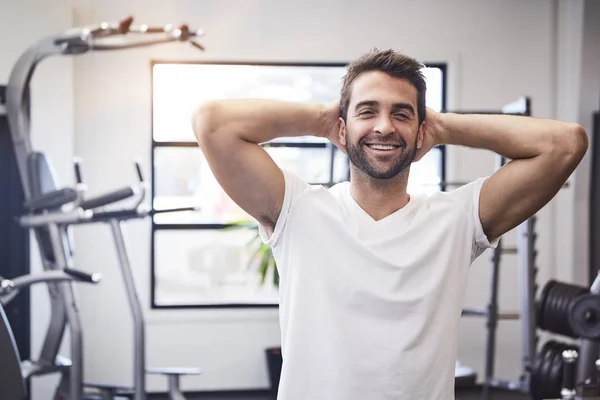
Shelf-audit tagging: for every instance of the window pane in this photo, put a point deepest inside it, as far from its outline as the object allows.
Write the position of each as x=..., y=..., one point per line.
x=425, y=175
x=311, y=164
x=208, y=267
x=434, y=94
x=183, y=178
x=179, y=88
x=341, y=166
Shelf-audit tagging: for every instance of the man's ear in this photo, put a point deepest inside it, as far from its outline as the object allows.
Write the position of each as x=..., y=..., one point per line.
x=421, y=134
x=342, y=131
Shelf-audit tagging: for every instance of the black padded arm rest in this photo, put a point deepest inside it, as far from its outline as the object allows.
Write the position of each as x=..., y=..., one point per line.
x=108, y=198
x=51, y=200
x=81, y=276
x=115, y=214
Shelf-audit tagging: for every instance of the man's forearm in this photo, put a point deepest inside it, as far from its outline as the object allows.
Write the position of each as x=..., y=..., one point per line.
x=259, y=120
x=513, y=137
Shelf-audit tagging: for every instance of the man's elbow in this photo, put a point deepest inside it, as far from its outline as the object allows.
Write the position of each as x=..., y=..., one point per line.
x=579, y=141
x=205, y=120
x=572, y=144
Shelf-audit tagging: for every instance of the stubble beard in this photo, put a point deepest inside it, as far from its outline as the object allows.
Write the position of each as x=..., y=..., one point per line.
x=357, y=153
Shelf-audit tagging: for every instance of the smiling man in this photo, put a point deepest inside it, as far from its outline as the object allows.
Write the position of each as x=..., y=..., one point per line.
x=372, y=277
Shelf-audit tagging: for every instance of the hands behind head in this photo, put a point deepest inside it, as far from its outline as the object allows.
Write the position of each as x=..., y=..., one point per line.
x=429, y=129
x=331, y=124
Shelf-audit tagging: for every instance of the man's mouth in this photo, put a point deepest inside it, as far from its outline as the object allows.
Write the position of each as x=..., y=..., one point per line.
x=382, y=147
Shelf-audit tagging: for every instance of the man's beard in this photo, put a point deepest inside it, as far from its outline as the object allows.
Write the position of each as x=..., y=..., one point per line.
x=359, y=158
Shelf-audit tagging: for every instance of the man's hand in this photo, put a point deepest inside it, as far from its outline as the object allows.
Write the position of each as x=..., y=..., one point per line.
x=432, y=132
x=331, y=123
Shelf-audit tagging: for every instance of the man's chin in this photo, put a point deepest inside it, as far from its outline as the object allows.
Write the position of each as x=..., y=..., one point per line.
x=382, y=174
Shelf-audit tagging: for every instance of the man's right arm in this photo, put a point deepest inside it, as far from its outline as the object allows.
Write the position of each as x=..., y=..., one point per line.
x=230, y=132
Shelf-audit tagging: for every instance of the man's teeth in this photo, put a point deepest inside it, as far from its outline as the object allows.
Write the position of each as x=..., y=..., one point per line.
x=382, y=147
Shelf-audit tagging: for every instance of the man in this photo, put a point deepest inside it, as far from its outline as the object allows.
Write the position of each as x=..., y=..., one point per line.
x=372, y=278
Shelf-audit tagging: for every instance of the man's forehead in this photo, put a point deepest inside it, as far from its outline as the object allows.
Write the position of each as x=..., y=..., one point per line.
x=383, y=86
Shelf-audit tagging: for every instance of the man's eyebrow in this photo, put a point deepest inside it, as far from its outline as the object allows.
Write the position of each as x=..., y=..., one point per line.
x=371, y=103
x=404, y=106
x=395, y=106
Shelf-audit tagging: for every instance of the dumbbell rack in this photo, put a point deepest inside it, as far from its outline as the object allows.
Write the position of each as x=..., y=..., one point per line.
x=526, y=259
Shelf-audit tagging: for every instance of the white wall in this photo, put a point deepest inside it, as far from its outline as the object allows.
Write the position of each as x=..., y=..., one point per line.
x=497, y=51
x=21, y=24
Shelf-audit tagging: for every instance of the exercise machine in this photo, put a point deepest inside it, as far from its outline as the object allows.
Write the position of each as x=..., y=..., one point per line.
x=14, y=374
x=102, y=209
x=50, y=211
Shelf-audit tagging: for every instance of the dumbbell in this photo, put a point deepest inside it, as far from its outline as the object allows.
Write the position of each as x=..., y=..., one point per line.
x=569, y=391
x=569, y=374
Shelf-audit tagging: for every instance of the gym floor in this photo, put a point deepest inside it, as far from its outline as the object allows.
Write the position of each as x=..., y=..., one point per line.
x=470, y=394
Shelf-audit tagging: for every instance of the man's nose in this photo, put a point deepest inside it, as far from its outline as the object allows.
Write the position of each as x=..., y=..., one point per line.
x=384, y=125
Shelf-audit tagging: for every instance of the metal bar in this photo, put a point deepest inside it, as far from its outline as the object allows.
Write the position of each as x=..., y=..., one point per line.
x=290, y=144
x=509, y=315
x=76, y=217
x=589, y=351
x=305, y=145
x=58, y=316
x=63, y=260
x=445, y=184
x=331, y=164
x=17, y=92
x=174, y=389
x=139, y=342
x=526, y=237
x=510, y=250
x=492, y=320
x=474, y=312
x=12, y=287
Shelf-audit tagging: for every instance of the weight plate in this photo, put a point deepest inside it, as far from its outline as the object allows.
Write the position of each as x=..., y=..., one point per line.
x=561, y=323
x=584, y=316
x=546, y=375
x=551, y=313
x=555, y=372
x=539, y=384
x=543, y=299
x=554, y=307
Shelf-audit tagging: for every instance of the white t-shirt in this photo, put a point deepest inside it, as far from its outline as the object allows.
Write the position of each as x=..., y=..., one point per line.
x=369, y=310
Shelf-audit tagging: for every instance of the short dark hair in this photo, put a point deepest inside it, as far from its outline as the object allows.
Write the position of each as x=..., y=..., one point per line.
x=392, y=63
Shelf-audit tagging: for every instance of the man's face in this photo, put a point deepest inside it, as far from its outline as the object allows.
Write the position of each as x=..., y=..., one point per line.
x=381, y=133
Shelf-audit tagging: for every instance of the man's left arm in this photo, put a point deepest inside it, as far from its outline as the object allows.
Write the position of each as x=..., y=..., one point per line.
x=544, y=154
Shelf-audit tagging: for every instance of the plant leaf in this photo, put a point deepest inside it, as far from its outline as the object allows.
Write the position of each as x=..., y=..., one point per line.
x=256, y=255
x=262, y=270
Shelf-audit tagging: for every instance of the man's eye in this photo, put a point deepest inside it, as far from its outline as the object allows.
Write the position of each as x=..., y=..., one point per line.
x=365, y=112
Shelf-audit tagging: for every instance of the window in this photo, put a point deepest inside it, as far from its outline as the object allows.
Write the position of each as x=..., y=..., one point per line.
x=198, y=260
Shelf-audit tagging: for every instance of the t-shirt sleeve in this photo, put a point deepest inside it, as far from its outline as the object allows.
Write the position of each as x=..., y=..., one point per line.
x=294, y=188
x=467, y=197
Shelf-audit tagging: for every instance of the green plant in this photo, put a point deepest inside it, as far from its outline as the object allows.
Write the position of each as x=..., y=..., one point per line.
x=262, y=254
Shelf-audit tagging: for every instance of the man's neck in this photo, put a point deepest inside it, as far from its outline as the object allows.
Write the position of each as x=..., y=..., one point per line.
x=379, y=198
